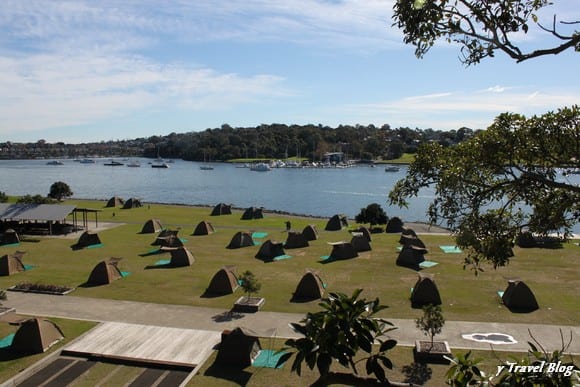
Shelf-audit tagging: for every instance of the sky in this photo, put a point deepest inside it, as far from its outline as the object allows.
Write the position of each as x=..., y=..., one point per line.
x=84, y=71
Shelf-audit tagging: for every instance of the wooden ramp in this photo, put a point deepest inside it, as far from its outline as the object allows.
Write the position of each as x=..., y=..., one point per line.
x=146, y=343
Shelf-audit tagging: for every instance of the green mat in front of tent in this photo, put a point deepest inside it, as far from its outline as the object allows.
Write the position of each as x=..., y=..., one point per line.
x=268, y=358
x=451, y=249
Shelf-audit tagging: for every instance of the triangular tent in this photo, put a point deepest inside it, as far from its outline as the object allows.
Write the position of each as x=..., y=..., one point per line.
x=394, y=225
x=295, y=240
x=221, y=209
x=167, y=238
x=270, y=250
x=152, y=226
x=238, y=348
x=132, y=203
x=310, y=232
x=411, y=256
x=105, y=272
x=519, y=297
x=360, y=242
x=115, y=201
x=342, y=250
x=203, y=228
x=336, y=223
x=309, y=288
x=252, y=213
x=88, y=238
x=10, y=237
x=11, y=264
x=365, y=231
x=241, y=239
x=411, y=240
x=224, y=281
x=425, y=292
x=36, y=336
x=181, y=257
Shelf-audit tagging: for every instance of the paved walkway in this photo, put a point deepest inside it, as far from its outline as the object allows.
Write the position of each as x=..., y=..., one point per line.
x=271, y=323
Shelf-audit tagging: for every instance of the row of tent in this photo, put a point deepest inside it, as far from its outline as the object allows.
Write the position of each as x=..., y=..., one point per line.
x=152, y=226
x=225, y=281
x=517, y=297
x=116, y=201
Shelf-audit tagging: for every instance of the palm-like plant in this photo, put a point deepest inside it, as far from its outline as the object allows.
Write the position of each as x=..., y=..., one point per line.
x=343, y=327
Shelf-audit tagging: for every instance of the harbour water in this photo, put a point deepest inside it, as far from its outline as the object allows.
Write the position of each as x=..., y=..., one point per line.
x=309, y=191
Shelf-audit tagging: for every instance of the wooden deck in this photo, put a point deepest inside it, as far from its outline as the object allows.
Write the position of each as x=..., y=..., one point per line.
x=146, y=343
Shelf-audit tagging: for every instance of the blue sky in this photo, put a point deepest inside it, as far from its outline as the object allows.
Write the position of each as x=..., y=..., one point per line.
x=80, y=71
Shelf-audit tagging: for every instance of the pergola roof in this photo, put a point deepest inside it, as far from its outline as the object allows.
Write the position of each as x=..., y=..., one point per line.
x=43, y=212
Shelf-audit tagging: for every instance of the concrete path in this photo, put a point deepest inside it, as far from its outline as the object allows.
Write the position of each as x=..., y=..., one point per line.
x=271, y=323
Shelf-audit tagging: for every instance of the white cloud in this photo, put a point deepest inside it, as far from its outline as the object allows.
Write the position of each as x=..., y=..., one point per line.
x=44, y=91
x=451, y=110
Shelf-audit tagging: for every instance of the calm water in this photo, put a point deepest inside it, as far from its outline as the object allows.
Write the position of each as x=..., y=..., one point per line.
x=320, y=192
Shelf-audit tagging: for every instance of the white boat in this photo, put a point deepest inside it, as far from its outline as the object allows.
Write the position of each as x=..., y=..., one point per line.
x=292, y=164
x=134, y=164
x=55, y=162
x=260, y=167
x=392, y=168
x=157, y=165
x=206, y=167
x=87, y=161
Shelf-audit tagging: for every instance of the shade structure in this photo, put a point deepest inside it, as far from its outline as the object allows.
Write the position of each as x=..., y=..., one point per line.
x=11, y=264
x=360, y=242
x=221, y=209
x=310, y=232
x=152, y=226
x=105, y=272
x=88, y=238
x=270, y=250
x=336, y=223
x=394, y=225
x=238, y=348
x=295, y=240
x=132, y=203
x=310, y=287
x=224, y=281
x=241, y=239
x=518, y=297
x=342, y=250
x=181, y=257
x=115, y=201
x=203, y=228
x=36, y=336
x=411, y=256
x=425, y=292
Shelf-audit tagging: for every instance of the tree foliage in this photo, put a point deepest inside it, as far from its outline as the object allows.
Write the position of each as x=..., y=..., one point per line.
x=59, y=190
x=249, y=283
x=373, y=214
x=509, y=178
x=3, y=197
x=432, y=321
x=34, y=199
x=481, y=27
x=343, y=327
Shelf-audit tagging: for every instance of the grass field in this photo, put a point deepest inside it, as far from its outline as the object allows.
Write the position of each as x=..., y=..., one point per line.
x=553, y=275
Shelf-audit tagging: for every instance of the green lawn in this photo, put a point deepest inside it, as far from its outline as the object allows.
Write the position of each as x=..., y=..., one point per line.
x=465, y=296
